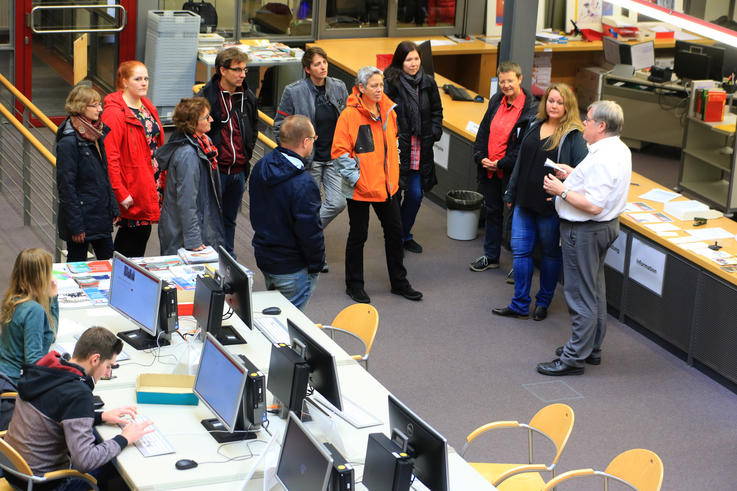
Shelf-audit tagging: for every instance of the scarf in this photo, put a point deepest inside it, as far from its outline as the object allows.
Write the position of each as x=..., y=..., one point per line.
x=87, y=129
x=411, y=83
x=211, y=151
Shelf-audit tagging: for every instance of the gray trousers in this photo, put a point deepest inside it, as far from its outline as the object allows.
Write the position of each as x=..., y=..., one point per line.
x=584, y=249
x=326, y=174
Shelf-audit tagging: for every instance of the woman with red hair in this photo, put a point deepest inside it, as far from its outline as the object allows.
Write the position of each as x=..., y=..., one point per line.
x=135, y=133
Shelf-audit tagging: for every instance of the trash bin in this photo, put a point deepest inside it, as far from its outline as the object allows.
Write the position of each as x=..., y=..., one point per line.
x=463, y=213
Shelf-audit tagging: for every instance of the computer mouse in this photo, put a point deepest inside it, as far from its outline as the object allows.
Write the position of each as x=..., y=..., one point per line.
x=478, y=98
x=185, y=464
x=271, y=311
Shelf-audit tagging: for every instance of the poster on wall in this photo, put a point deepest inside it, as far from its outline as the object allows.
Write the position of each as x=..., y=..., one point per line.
x=647, y=266
x=616, y=253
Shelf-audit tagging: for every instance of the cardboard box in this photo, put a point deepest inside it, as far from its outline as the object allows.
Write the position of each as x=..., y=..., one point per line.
x=165, y=388
x=588, y=85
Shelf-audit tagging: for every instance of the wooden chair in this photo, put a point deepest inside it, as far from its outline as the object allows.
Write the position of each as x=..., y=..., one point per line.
x=359, y=321
x=640, y=469
x=11, y=462
x=554, y=422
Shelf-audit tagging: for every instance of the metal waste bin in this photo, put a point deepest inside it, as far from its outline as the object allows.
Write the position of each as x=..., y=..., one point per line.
x=463, y=213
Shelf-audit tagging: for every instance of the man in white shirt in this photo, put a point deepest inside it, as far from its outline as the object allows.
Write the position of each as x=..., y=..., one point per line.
x=588, y=203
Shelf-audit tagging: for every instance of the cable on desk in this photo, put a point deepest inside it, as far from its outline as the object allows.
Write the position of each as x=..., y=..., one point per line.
x=227, y=315
x=237, y=457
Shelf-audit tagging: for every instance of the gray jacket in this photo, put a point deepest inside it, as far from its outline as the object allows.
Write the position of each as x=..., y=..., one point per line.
x=191, y=214
x=299, y=98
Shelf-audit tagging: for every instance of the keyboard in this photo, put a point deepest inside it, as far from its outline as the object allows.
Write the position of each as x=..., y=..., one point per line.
x=272, y=329
x=457, y=93
x=351, y=413
x=151, y=444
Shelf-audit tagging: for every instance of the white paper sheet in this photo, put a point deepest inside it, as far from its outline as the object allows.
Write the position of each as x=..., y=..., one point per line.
x=662, y=227
x=659, y=195
x=710, y=233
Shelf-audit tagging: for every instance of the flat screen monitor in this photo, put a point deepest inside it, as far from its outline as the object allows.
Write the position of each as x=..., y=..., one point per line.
x=136, y=294
x=427, y=447
x=695, y=61
x=425, y=51
x=323, y=373
x=237, y=286
x=642, y=55
x=638, y=55
x=612, y=50
x=207, y=310
x=220, y=385
x=304, y=463
x=287, y=377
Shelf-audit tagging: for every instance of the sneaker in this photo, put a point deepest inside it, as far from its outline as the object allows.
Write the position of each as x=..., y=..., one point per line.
x=482, y=264
x=413, y=246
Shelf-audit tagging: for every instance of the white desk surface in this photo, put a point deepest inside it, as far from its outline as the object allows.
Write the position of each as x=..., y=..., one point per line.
x=181, y=424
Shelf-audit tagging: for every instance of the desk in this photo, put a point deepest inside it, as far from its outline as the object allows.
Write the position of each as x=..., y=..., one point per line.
x=181, y=424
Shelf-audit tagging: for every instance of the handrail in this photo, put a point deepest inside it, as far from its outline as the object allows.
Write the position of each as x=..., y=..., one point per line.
x=39, y=114
x=265, y=118
x=27, y=134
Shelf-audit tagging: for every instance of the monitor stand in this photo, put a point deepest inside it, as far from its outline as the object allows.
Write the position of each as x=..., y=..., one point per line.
x=221, y=435
x=227, y=335
x=141, y=340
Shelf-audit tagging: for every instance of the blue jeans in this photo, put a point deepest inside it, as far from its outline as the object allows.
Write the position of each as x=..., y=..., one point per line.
x=528, y=228
x=232, y=187
x=297, y=287
x=493, y=190
x=326, y=173
x=411, y=198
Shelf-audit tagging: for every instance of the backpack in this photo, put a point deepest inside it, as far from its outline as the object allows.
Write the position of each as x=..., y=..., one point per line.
x=206, y=11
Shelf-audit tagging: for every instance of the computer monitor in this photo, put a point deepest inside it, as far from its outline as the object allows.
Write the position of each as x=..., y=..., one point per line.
x=637, y=55
x=425, y=51
x=323, y=373
x=642, y=55
x=136, y=294
x=237, y=285
x=695, y=61
x=304, y=463
x=427, y=447
x=287, y=378
x=220, y=385
x=207, y=310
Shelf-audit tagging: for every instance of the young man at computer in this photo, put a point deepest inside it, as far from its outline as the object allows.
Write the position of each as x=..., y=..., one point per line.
x=53, y=422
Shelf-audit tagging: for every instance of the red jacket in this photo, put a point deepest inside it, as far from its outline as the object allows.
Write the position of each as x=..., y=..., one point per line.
x=129, y=158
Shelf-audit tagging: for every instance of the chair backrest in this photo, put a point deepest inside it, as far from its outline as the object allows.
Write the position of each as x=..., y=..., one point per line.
x=556, y=421
x=641, y=468
x=12, y=460
x=361, y=319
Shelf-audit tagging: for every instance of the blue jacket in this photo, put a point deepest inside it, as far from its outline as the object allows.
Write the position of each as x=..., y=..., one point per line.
x=285, y=216
x=86, y=200
x=27, y=337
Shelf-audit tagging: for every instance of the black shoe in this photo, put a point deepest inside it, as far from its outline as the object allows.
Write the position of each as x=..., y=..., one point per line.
x=325, y=268
x=540, y=313
x=358, y=295
x=557, y=368
x=483, y=263
x=593, y=358
x=413, y=246
x=507, y=312
x=409, y=293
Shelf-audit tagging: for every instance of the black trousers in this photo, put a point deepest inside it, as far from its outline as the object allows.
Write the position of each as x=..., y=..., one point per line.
x=78, y=252
x=391, y=222
x=131, y=241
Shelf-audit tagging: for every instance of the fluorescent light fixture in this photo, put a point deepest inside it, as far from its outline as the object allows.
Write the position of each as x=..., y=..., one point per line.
x=680, y=20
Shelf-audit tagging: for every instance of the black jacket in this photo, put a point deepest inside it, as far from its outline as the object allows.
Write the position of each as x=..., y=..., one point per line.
x=86, y=199
x=431, y=112
x=246, y=112
x=481, y=145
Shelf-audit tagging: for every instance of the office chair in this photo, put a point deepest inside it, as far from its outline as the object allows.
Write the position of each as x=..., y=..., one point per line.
x=359, y=321
x=554, y=422
x=638, y=469
x=11, y=462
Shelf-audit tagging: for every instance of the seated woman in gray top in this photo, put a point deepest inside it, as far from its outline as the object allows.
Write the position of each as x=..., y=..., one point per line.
x=191, y=215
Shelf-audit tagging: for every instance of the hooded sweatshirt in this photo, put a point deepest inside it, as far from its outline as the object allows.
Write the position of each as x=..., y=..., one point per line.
x=54, y=417
x=285, y=215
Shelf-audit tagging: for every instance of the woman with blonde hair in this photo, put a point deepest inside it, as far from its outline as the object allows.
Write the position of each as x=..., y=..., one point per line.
x=135, y=133
x=87, y=205
x=29, y=313
x=557, y=135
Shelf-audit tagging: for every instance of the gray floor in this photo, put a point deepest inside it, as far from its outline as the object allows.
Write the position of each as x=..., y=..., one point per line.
x=459, y=367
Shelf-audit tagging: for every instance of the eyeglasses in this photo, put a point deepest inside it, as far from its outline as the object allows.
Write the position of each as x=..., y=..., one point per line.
x=96, y=104
x=313, y=138
x=589, y=120
x=236, y=69
x=205, y=118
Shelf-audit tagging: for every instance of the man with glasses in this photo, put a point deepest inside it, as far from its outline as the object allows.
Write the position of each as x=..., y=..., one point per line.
x=589, y=201
x=234, y=130
x=320, y=98
x=285, y=214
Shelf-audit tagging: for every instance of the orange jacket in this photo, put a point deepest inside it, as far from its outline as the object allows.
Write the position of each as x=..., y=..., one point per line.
x=365, y=150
